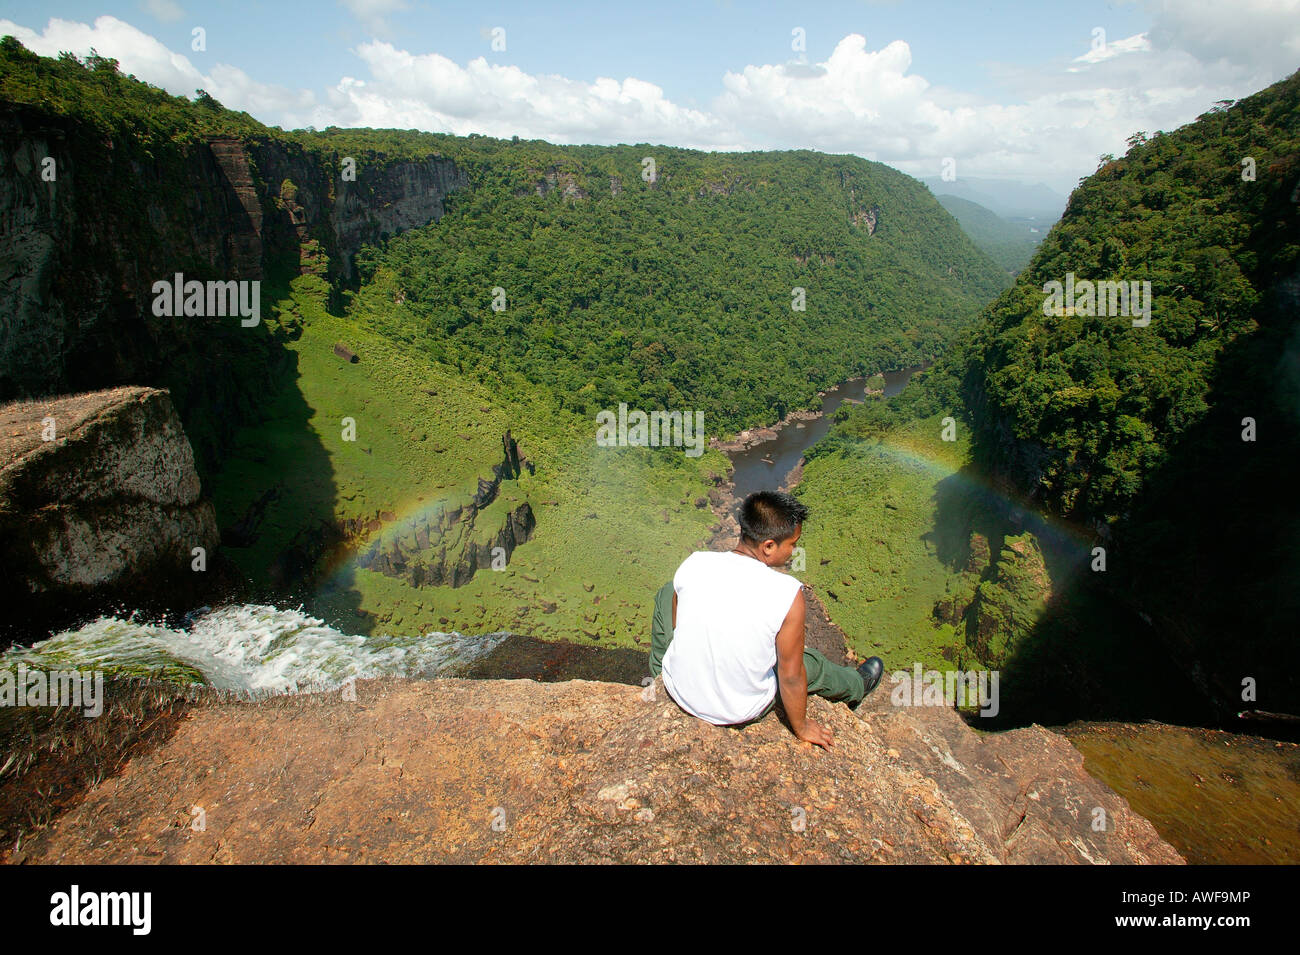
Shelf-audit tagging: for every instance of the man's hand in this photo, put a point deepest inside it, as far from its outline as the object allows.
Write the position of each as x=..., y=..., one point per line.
x=816, y=734
x=793, y=678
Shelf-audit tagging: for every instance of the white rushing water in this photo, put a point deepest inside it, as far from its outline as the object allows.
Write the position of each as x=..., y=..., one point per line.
x=251, y=649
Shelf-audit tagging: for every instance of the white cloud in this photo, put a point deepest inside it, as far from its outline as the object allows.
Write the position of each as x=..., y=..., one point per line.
x=1056, y=118
x=430, y=91
x=1260, y=37
x=869, y=101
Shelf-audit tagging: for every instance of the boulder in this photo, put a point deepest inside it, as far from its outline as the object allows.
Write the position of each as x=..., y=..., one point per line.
x=99, y=501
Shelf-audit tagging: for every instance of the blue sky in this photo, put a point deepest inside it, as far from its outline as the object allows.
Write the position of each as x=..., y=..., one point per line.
x=1010, y=90
x=684, y=49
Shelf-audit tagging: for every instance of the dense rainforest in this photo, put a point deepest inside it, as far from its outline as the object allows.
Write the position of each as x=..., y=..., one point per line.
x=679, y=295
x=1153, y=464
x=736, y=285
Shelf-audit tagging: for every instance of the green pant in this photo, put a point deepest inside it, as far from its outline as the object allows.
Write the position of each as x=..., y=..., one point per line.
x=833, y=682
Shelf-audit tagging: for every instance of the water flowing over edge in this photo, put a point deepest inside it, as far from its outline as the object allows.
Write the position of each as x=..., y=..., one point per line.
x=251, y=649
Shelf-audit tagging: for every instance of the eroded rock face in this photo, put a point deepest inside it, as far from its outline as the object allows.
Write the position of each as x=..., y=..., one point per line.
x=110, y=502
x=443, y=546
x=385, y=198
x=517, y=771
x=1008, y=603
x=565, y=180
x=79, y=256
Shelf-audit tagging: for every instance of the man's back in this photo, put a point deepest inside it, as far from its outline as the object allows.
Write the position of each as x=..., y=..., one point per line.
x=721, y=663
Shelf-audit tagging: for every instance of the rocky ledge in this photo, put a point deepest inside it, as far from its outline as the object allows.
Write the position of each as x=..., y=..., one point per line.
x=516, y=771
x=99, y=501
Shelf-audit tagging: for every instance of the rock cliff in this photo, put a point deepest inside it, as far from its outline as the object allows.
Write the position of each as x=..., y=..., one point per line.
x=445, y=546
x=98, y=494
x=516, y=771
x=79, y=254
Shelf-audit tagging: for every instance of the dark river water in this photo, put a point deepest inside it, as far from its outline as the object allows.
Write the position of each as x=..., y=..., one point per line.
x=765, y=466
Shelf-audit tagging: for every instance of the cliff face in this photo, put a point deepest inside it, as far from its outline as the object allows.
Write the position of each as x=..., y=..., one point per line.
x=314, y=199
x=79, y=255
x=98, y=494
x=387, y=200
x=83, y=251
x=517, y=771
x=445, y=546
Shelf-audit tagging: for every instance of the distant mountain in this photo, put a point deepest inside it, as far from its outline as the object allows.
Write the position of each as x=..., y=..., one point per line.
x=1010, y=244
x=1007, y=198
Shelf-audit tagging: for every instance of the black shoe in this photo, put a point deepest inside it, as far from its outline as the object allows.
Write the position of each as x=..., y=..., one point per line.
x=871, y=670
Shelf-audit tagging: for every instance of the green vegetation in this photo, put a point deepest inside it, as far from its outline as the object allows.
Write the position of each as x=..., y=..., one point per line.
x=663, y=296
x=1011, y=245
x=1143, y=433
x=670, y=294
x=870, y=552
x=678, y=294
x=1106, y=402
x=612, y=523
x=96, y=93
x=1089, y=432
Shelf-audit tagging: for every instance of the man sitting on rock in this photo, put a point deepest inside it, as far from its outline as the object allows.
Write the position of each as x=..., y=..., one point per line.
x=728, y=630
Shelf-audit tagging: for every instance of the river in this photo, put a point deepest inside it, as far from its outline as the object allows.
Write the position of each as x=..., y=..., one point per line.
x=765, y=465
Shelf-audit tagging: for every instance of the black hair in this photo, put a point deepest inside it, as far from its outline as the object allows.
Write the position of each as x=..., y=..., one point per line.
x=773, y=515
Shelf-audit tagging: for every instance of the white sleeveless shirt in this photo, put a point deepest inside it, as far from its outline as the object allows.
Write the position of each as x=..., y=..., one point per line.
x=721, y=663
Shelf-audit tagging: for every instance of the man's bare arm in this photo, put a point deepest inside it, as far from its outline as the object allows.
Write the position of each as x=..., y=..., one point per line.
x=793, y=678
x=674, y=610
